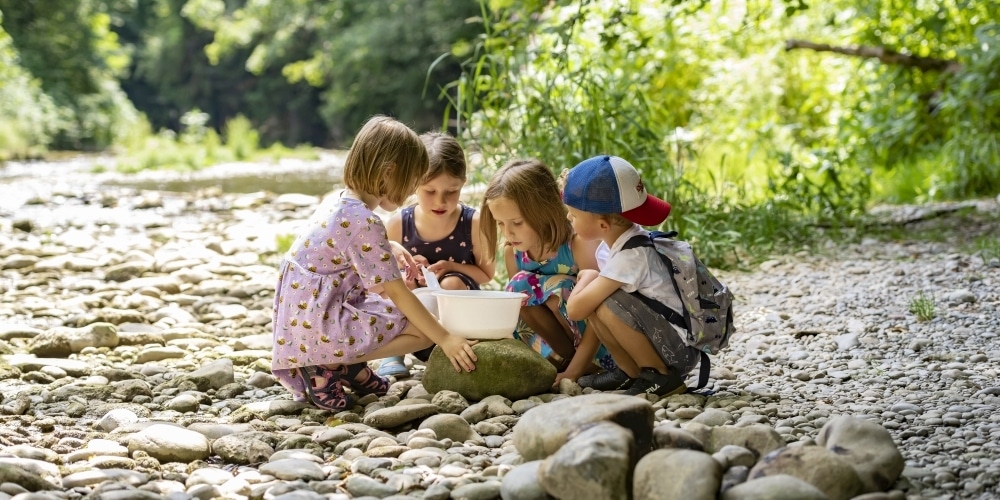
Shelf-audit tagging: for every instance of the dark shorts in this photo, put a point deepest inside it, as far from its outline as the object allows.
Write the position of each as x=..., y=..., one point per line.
x=469, y=282
x=674, y=352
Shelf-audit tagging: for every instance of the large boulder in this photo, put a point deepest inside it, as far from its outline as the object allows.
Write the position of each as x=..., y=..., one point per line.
x=545, y=428
x=868, y=447
x=507, y=367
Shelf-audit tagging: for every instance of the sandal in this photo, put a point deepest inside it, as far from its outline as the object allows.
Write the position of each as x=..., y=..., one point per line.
x=363, y=380
x=329, y=393
x=393, y=367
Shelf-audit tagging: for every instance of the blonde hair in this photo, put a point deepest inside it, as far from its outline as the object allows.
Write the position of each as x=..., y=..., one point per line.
x=386, y=159
x=531, y=185
x=445, y=155
x=616, y=220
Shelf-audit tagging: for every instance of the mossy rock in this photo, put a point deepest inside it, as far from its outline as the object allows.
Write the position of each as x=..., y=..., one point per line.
x=507, y=368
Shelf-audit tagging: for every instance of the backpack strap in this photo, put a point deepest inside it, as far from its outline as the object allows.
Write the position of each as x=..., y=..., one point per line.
x=672, y=316
x=682, y=321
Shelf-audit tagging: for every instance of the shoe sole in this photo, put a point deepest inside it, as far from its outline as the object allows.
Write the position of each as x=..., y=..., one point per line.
x=393, y=369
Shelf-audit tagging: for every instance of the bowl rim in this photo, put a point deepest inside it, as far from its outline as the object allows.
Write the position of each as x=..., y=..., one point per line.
x=479, y=294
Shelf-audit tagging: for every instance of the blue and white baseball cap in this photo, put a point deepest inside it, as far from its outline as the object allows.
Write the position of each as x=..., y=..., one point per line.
x=611, y=185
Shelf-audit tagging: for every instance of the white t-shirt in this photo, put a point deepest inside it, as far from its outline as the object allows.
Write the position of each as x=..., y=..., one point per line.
x=638, y=269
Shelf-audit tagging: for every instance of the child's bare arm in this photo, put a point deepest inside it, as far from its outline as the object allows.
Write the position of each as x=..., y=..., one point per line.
x=583, y=303
x=458, y=349
x=584, y=278
x=582, y=359
x=585, y=252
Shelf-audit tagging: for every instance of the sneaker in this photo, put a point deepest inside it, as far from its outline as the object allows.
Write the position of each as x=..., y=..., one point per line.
x=612, y=380
x=651, y=381
x=393, y=366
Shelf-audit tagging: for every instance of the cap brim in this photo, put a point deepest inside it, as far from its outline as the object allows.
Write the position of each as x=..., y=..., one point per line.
x=651, y=213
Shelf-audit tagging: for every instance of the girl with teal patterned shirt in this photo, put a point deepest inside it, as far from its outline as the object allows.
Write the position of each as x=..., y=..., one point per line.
x=542, y=256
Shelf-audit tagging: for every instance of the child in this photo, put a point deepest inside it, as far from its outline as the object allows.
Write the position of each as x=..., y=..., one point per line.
x=441, y=233
x=543, y=257
x=328, y=318
x=607, y=202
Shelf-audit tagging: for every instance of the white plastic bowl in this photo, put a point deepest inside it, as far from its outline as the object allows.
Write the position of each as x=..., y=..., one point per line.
x=479, y=314
x=427, y=298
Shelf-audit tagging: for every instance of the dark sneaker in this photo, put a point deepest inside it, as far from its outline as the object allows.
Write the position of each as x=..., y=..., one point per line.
x=612, y=380
x=651, y=381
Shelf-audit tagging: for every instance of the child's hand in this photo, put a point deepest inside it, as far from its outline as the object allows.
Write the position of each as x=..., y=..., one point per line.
x=404, y=260
x=459, y=352
x=440, y=267
x=567, y=375
x=418, y=276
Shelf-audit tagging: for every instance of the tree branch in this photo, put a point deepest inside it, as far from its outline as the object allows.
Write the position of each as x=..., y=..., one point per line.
x=886, y=55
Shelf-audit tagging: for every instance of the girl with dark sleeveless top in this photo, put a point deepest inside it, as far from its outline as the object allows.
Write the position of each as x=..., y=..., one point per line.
x=456, y=247
x=441, y=233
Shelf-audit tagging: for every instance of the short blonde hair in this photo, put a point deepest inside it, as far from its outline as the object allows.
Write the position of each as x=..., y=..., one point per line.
x=616, y=220
x=386, y=159
x=445, y=155
x=529, y=184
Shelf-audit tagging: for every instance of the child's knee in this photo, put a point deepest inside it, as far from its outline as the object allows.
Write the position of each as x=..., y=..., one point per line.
x=453, y=283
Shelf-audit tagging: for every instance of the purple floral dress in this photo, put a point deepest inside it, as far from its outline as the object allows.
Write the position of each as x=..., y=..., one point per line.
x=323, y=311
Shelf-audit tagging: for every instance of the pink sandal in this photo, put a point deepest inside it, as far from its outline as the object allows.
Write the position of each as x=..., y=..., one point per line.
x=363, y=380
x=325, y=388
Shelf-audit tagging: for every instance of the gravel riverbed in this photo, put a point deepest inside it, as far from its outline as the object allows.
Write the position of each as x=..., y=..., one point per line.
x=135, y=334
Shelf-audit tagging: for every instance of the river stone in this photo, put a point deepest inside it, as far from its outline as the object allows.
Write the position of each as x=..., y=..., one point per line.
x=545, y=428
x=245, y=447
x=169, y=443
x=10, y=472
x=214, y=375
x=761, y=439
x=127, y=270
x=521, y=483
x=779, y=487
x=63, y=341
x=594, y=463
x=675, y=437
x=818, y=466
x=500, y=370
x=693, y=474
x=450, y=426
x=868, y=447
x=72, y=367
x=395, y=416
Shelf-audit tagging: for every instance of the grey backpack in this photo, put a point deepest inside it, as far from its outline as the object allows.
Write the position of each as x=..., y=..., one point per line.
x=707, y=318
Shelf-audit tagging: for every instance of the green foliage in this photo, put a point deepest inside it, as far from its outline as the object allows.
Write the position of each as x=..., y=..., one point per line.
x=923, y=306
x=756, y=147
x=283, y=242
x=597, y=78
x=360, y=58
x=197, y=146
x=241, y=138
x=69, y=58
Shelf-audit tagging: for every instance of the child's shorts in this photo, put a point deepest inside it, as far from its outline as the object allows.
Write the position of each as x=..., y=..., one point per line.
x=669, y=344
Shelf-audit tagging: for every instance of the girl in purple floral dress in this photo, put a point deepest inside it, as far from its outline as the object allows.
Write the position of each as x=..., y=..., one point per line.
x=329, y=316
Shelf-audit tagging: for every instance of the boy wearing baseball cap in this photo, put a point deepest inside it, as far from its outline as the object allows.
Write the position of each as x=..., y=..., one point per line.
x=606, y=200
